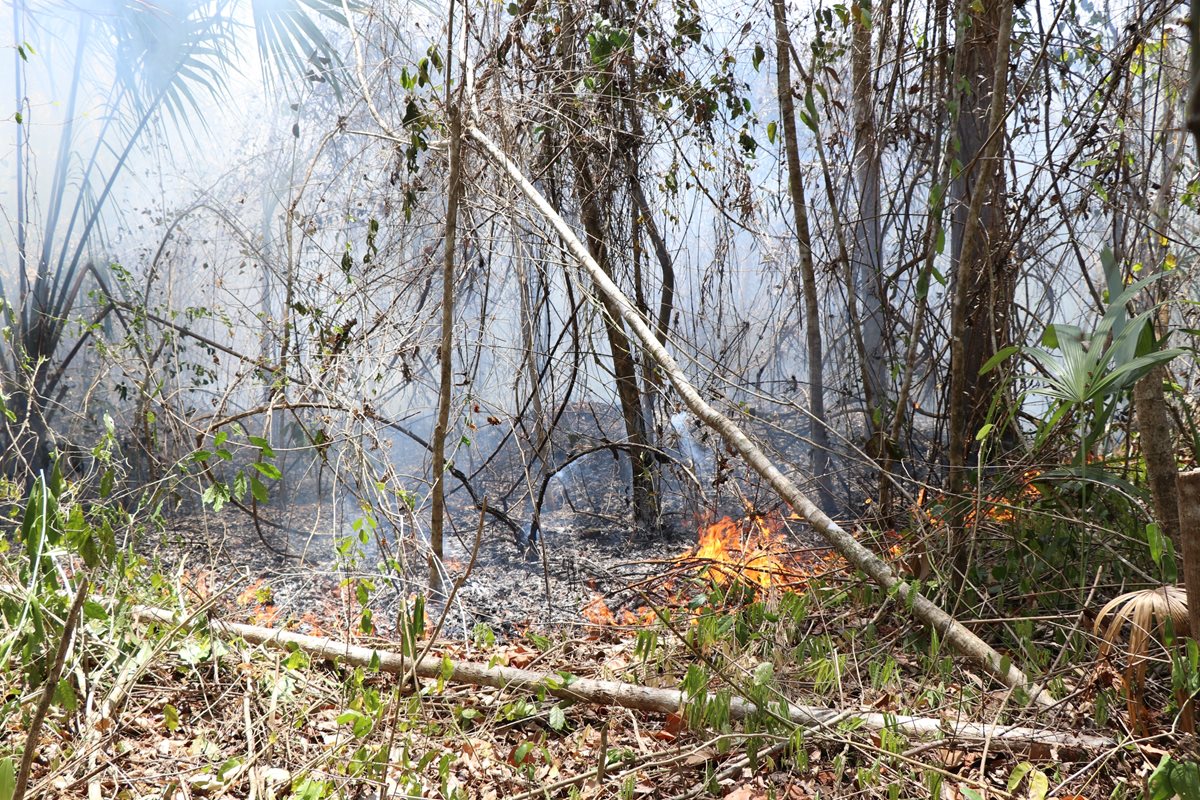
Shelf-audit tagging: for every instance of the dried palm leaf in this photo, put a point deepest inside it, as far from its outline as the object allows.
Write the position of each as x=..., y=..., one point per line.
x=1147, y=612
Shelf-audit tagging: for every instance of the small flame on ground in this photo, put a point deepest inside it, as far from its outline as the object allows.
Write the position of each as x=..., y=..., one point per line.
x=996, y=508
x=753, y=551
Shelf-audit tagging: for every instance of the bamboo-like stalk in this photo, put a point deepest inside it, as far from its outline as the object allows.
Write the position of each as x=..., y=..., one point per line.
x=951, y=631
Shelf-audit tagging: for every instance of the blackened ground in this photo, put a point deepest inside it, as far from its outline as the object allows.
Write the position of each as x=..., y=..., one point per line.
x=587, y=545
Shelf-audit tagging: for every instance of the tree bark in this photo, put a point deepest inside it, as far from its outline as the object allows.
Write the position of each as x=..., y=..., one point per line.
x=641, y=459
x=819, y=436
x=867, y=255
x=983, y=289
x=437, y=519
x=951, y=631
x=1189, y=517
x=1158, y=449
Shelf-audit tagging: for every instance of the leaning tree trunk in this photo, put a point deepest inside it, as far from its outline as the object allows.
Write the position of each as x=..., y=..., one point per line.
x=983, y=281
x=952, y=632
x=808, y=279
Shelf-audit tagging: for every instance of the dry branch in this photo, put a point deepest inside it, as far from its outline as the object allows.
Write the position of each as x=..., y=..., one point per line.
x=1041, y=743
x=951, y=631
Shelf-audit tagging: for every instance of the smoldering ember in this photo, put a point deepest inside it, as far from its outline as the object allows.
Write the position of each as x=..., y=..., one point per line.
x=613, y=400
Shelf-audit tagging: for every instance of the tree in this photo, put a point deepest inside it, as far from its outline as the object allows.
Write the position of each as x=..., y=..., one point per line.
x=983, y=282
x=157, y=64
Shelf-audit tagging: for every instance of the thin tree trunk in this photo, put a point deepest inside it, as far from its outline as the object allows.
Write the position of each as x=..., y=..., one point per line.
x=437, y=519
x=951, y=631
x=867, y=258
x=1188, y=493
x=1155, y=431
x=1189, y=516
x=812, y=317
x=645, y=501
x=979, y=311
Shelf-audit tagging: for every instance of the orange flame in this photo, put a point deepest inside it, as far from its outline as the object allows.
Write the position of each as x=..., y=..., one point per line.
x=752, y=549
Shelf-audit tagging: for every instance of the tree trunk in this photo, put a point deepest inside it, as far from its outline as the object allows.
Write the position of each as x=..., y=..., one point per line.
x=867, y=257
x=1006, y=738
x=437, y=520
x=808, y=280
x=983, y=283
x=645, y=497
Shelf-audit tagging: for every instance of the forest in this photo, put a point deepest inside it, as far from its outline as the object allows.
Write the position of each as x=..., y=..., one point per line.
x=609, y=399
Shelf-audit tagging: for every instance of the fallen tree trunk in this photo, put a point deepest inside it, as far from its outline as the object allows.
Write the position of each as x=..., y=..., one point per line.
x=951, y=631
x=1011, y=738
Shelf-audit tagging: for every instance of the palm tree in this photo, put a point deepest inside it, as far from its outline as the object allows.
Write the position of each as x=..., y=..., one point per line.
x=160, y=60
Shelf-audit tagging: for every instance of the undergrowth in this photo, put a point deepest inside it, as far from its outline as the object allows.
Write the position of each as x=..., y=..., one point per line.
x=100, y=702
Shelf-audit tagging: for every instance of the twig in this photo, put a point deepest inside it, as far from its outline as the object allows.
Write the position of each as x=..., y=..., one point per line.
x=734, y=768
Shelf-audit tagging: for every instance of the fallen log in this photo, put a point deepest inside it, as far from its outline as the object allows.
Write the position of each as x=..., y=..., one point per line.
x=928, y=612
x=1034, y=742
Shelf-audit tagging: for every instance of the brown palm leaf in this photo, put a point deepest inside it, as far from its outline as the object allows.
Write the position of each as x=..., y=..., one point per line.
x=1146, y=612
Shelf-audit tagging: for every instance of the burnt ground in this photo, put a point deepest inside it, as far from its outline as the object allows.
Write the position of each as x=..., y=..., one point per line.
x=588, y=546
x=507, y=589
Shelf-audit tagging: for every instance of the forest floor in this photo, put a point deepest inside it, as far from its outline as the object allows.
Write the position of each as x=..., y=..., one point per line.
x=196, y=714
x=722, y=607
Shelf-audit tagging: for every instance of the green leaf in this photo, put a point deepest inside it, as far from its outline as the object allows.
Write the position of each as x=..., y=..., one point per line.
x=984, y=431
x=258, y=490
x=558, y=719
x=995, y=360
x=93, y=610
x=764, y=673
x=1185, y=779
x=8, y=779
x=772, y=129
x=269, y=470
x=216, y=495
x=1154, y=539
x=810, y=105
x=170, y=717
x=1039, y=785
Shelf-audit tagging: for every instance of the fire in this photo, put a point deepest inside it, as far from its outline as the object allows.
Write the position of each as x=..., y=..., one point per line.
x=752, y=549
x=597, y=612
x=996, y=508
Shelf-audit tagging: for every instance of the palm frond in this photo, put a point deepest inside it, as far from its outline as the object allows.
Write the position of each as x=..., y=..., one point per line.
x=292, y=43
x=1148, y=614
